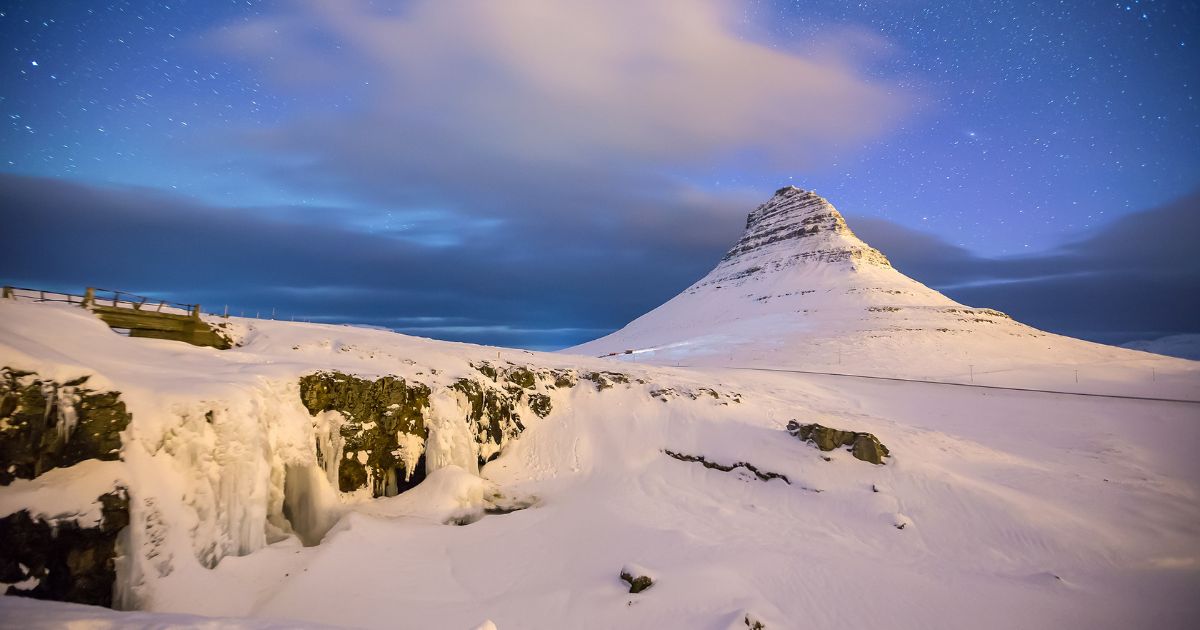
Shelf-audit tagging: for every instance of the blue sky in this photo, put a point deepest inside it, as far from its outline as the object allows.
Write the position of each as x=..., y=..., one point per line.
x=537, y=174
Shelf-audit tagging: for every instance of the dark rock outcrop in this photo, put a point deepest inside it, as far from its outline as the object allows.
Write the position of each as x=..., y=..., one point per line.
x=46, y=425
x=864, y=446
x=493, y=413
x=752, y=623
x=762, y=475
x=62, y=560
x=637, y=583
x=379, y=411
x=375, y=411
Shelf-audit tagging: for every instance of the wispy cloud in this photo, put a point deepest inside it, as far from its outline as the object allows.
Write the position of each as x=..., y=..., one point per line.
x=548, y=116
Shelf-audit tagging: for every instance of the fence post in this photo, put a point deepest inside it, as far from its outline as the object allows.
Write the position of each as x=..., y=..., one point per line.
x=8, y=291
x=196, y=311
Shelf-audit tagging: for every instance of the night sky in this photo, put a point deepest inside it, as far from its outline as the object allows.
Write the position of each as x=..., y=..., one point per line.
x=538, y=173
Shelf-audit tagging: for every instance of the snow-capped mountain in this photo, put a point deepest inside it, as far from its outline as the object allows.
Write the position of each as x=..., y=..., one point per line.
x=800, y=291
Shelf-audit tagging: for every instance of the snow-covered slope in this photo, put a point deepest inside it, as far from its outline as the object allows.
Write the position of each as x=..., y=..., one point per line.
x=1183, y=346
x=800, y=291
x=995, y=509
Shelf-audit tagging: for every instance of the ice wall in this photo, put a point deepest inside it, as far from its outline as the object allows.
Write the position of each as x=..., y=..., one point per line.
x=451, y=440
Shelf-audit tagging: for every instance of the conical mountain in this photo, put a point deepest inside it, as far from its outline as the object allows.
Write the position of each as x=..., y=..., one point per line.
x=799, y=290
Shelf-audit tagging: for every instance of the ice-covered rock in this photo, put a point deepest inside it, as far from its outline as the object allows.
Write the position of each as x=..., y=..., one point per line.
x=66, y=557
x=451, y=440
x=45, y=424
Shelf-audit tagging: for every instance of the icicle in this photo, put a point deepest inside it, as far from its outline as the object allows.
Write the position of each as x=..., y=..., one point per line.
x=61, y=401
x=411, y=447
x=68, y=418
x=328, y=429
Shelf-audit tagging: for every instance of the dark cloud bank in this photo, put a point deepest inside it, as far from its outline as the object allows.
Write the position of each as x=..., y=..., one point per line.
x=1136, y=278
x=547, y=284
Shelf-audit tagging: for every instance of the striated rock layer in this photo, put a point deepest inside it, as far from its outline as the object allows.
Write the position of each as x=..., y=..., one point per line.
x=799, y=225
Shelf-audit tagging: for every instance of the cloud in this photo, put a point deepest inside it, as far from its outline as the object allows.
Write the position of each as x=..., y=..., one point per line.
x=547, y=81
x=512, y=287
x=1136, y=278
x=579, y=114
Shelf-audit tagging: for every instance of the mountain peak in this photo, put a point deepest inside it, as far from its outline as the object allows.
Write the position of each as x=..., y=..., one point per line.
x=796, y=226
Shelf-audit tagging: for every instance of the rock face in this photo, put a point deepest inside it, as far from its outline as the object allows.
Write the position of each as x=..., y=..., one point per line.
x=382, y=437
x=799, y=225
x=864, y=446
x=62, y=559
x=377, y=414
x=794, y=230
x=46, y=425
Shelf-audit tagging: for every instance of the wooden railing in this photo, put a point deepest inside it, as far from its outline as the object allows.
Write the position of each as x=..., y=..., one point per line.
x=104, y=297
x=137, y=315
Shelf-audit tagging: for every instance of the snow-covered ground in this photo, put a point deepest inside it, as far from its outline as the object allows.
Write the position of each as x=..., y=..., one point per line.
x=1018, y=509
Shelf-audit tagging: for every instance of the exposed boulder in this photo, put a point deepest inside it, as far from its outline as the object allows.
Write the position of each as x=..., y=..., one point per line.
x=46, y=425
x=637, y=578
x=864, y=446
x=62, y=559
